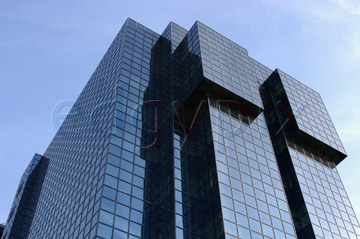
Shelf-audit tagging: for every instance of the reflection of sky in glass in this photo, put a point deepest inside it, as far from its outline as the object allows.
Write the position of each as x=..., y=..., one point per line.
x=246, y=165
x=315, y=41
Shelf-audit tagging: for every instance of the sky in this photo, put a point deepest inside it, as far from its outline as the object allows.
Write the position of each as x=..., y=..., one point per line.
x=49, y=49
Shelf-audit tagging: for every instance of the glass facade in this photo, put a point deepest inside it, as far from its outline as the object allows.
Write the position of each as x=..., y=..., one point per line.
x=184, y=135
x=27, y=195
x=2, y=227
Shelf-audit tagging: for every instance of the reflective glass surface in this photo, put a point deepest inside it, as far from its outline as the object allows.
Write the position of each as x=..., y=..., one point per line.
x=184, y=135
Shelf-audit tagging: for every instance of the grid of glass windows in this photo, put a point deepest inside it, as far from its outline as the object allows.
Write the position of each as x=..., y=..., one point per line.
x=122, y=203
x=175, y=34
x=148, y=152
x=179, y=233
x=329, y=208
x=27, y=195
x=252, y=195
x=79, y=173
x=227, y=64
x=310, y=112
x=261, y=72
x=312, y=181
x=187, y=68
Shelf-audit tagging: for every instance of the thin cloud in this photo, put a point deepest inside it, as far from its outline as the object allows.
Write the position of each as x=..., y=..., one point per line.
x=350, y=6
x=348, y=53
x=335, y=11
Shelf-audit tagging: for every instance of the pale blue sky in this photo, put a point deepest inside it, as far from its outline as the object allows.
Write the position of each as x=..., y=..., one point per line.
x=49, y=49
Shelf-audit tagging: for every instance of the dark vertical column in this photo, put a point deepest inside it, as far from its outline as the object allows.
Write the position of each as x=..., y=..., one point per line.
x=281, y=124
x=157, y=146
x=202, y=216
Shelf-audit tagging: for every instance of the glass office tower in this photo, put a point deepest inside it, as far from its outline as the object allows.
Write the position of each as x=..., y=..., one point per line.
x=183, y=135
